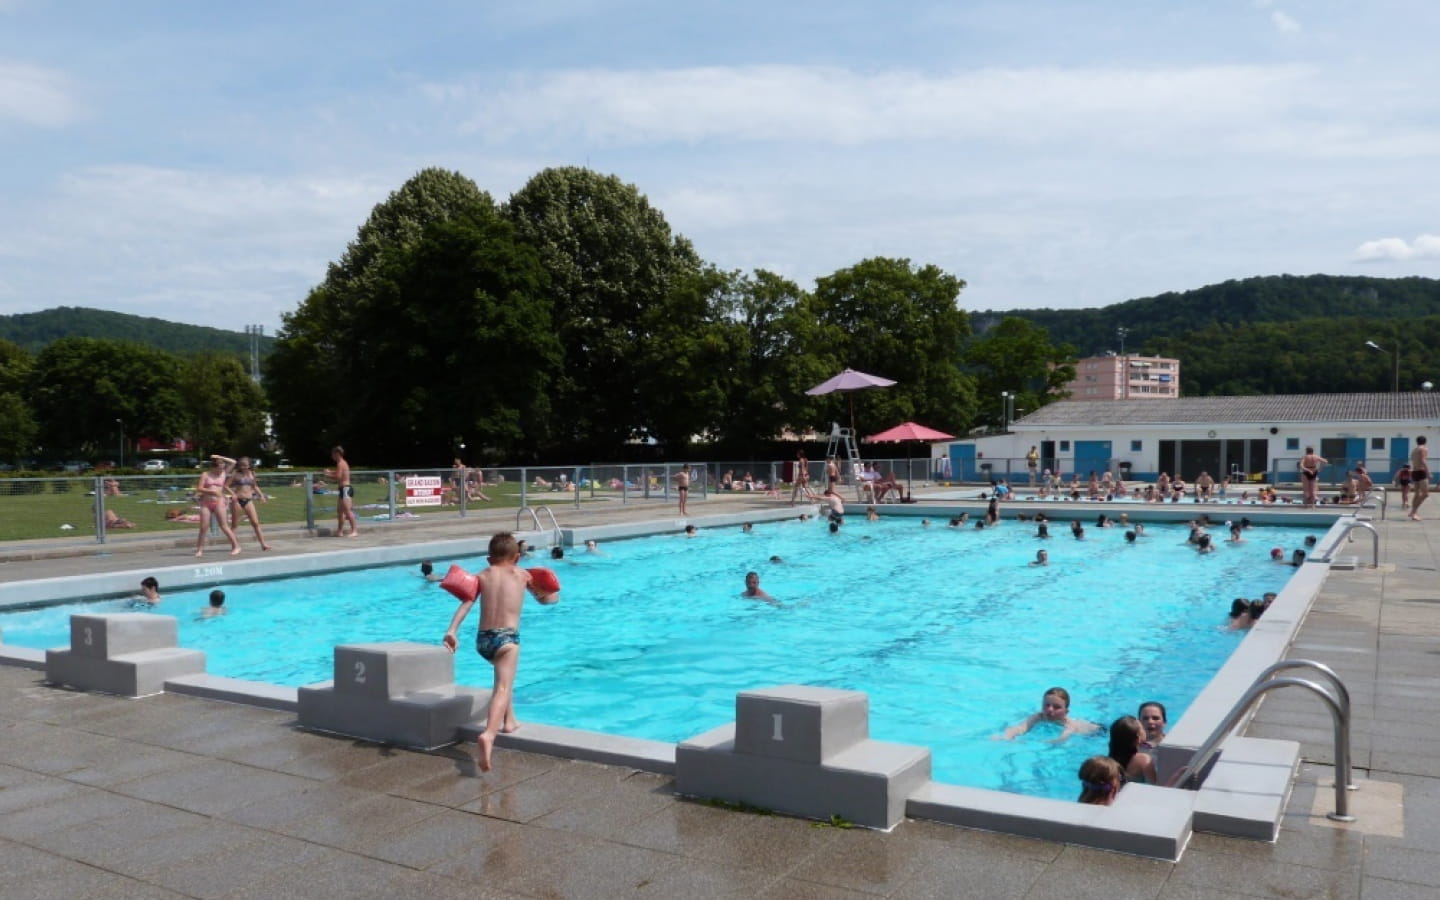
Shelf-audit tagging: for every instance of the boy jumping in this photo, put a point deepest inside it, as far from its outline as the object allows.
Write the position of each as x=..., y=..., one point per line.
x=501, y=594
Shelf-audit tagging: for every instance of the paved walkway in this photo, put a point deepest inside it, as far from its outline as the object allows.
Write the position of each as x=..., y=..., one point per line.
x=175, y=796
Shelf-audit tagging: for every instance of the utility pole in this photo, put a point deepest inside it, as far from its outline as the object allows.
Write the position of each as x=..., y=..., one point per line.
x=254, y=332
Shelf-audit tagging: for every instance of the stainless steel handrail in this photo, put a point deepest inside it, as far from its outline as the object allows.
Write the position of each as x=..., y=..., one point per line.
x=535, y=517
x=1188, y=775
x=1342, y=695
x=1349, y=527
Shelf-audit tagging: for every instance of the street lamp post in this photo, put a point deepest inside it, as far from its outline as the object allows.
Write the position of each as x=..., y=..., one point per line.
x=1007, y=401
x=1395, y=368
x=121, y=423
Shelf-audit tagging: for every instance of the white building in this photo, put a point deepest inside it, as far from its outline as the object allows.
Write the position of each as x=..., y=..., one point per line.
x=1261, y=436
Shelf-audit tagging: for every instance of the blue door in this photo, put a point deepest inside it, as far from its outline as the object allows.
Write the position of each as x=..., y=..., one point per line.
x=1092, y=456
x=962, y=462
x=1354, y=453
x=1399, y=456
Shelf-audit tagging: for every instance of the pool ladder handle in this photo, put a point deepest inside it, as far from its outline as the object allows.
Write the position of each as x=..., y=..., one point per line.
x=1354, y=523
x=1338, y=704
x=535, y=517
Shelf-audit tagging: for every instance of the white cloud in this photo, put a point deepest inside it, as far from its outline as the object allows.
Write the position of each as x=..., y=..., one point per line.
x=35, y=96
x=1283, y=23
x=845, y=107
x=1426, y=246
x=214, y=248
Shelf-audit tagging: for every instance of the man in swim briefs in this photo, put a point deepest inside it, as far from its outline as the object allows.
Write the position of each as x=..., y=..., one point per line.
x=682, y=487
x=501, y=595
x=345, y=505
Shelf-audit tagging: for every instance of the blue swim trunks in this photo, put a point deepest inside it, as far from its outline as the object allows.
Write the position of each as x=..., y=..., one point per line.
x=489, y=641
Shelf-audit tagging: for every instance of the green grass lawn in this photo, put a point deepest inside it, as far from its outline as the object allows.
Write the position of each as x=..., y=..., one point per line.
x=38, y=508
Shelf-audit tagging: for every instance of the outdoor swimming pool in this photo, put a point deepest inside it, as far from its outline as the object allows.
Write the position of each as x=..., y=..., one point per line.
x=950, y=632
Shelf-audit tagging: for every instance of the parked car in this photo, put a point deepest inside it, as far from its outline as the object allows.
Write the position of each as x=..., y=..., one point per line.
x=187, y=462
x=155, y=465
x=76, y=466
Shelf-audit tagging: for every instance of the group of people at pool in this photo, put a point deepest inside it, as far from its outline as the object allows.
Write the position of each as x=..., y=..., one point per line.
x=1131, y=739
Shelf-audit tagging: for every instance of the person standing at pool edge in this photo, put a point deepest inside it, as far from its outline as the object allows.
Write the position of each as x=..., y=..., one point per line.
x=1419, y=476
x=682, y=487
x=501, y=594
x=345, y=504
x=1310, y=465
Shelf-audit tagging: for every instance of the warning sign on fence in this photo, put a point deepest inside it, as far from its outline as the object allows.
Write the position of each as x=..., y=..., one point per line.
x=423, y=490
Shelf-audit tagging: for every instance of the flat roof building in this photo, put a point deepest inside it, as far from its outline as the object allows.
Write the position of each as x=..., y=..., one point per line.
x=1128, y=377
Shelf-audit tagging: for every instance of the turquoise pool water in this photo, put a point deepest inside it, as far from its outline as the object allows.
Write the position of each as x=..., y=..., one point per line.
x=951, y=633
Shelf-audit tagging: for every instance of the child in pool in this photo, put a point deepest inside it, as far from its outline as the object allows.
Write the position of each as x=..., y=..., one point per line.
x=1054, y=707
x=1152, y=716
x=1126, y=734
x=1100, y=780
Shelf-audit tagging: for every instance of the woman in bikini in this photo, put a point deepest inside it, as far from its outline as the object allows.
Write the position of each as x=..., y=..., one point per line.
x=211, y=492
x=247, y=496
x=1310, y=465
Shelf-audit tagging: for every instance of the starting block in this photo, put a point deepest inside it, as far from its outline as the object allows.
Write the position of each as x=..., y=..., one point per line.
x=396, y=693
x=804, y=751
x=131, y=654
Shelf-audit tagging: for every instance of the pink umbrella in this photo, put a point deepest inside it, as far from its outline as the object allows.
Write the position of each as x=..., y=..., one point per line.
x=850, y=381
x=909, y=431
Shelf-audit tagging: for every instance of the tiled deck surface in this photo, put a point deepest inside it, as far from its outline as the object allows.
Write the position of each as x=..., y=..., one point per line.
x=172, y=796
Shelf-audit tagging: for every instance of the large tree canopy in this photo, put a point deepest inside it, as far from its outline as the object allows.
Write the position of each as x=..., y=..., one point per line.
x=328, y=348
x=889, y=318
x=81, y=386
x=224, y=407
x=618, y=280
x=461, y=349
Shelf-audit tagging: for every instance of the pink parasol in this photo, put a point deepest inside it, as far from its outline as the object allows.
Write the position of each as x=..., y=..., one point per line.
x=850, y=381
x=909, y=431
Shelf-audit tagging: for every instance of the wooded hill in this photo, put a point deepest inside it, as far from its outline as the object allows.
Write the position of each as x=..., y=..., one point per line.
x=35, y=330
x=1272, y=334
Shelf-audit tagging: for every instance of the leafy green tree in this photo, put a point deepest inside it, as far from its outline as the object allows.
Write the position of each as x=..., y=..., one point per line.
x=1017, y=356
x=778, y=353
x=461, y=346
x=224, y=407
x=327, y=350
x=17, y=426
x=616, y=274
x=80, y=386
x=887, y=317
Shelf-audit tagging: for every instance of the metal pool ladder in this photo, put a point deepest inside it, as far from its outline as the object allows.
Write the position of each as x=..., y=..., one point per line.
x=1350, y=526
x=1338, y=703
x=535, y=518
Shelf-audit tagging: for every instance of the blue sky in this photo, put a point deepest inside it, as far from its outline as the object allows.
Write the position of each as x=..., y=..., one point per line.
x=203, y=162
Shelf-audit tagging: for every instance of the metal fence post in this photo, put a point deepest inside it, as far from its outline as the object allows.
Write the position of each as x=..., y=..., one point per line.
x=624, y=484
x=310, y=500
x=390, y=492
x=575, y=484
x=99, y=510
x=462, y=490
x=524, y=488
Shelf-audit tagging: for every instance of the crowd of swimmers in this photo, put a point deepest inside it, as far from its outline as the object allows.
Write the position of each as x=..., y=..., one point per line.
x=1130, y=757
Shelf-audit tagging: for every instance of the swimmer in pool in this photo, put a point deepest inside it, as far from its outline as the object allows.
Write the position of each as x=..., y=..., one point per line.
x=1054, y=709
x=592, y=547
x=1100, y=780
x=1042, y=558
x=753, y=591
x=427, y=571
x=1152, y=716
x=690, y=531
x=149, y=593
x=217, y=605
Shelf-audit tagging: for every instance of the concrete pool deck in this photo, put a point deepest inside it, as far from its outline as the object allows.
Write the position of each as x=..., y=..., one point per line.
x=176, y=796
